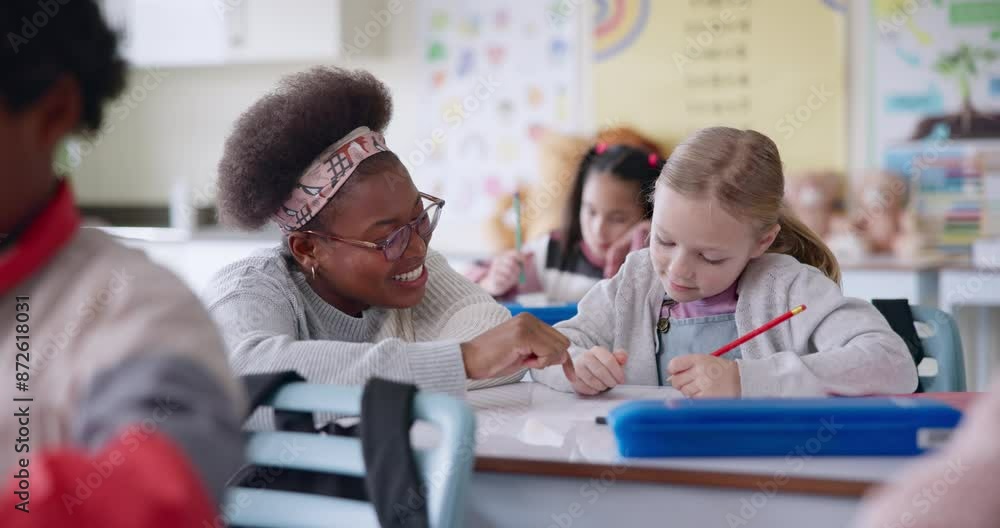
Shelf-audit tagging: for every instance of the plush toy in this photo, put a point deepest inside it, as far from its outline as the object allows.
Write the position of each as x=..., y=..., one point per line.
x=543, y=204
x=880, y=223
x=817, y=198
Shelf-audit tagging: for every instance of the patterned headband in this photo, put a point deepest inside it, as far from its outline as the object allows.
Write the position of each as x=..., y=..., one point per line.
x=326, y=175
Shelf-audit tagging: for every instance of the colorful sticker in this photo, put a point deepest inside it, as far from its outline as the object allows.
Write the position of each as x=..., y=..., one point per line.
x=439, y=20
x=436, y=52
x=618, y=25
x=496, y=55
x=466, y=62
x=469, y=26
x=502, y=19
x=438, y=78
x=535, y=96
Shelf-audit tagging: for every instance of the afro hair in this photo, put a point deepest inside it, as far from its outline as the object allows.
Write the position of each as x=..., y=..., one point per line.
x=277, y=138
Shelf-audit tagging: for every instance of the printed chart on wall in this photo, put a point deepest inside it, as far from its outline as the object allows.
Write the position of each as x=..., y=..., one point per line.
x=497, y=75
x=670, y=67
x=934, y=78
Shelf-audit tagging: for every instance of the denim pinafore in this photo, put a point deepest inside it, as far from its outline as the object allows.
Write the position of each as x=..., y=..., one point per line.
x=694, y=335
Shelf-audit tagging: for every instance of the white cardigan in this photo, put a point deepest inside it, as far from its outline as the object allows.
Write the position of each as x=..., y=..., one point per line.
x=838, y=345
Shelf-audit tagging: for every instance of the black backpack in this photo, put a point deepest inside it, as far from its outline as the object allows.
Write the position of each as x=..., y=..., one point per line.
x=900, y=317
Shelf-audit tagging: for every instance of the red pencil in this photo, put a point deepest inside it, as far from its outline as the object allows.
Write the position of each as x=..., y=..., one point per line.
x=767, y=326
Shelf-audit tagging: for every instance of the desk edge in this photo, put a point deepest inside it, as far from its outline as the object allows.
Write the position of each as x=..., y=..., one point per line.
x=685, y=477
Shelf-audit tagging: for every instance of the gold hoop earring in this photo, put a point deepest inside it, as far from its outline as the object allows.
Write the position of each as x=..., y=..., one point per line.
x=314, y=272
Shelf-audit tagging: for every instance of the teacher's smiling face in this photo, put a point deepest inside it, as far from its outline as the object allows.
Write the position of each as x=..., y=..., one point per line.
x=369, y=244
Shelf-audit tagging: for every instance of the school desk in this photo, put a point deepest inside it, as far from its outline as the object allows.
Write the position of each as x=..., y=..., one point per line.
x=541, y=460
x=979, y=289
x=890, y=278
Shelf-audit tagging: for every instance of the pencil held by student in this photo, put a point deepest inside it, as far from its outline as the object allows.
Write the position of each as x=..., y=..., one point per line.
x=726, y=348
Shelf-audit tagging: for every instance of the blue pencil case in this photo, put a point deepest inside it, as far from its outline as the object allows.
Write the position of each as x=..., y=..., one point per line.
x=779, y=427
x=547, y=314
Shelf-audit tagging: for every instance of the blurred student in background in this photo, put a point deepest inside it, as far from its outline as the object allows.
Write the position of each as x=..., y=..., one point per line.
x=133, y=418
x=607, y=217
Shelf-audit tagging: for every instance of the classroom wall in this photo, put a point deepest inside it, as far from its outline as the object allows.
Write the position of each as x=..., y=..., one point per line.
x=700, y=64
x=857, y=107
x=171, y=124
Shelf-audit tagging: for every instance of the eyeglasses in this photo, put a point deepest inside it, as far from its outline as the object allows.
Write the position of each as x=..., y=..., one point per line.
x=394, y=245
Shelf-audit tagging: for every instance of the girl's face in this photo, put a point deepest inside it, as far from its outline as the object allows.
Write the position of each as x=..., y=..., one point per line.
x=610, y=206
x=697, y=248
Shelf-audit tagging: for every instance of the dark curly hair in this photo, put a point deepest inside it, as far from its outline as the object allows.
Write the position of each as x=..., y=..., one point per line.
x=43, y=40
x=277, y=138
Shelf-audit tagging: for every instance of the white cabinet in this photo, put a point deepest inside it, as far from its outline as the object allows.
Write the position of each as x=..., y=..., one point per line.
x=283, y=30
x=171, y=33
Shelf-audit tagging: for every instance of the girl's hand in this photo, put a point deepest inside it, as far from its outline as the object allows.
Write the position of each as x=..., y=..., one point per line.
x=705, y=376
x=598, y=370
x=503, y=274
x=635, y=238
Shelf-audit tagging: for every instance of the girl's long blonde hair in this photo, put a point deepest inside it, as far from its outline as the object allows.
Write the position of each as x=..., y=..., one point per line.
x=741, y=169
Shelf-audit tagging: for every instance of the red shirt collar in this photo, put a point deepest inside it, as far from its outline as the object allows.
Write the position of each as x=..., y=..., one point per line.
x=36, y=245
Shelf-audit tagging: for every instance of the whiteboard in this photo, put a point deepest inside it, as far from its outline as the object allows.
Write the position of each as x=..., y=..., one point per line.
x=494, y=74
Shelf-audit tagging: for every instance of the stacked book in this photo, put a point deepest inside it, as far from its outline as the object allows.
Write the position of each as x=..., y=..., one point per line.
x=955, y=189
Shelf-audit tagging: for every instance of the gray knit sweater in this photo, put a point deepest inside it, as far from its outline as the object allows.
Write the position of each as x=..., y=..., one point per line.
x=838, y=345
x=272, y=320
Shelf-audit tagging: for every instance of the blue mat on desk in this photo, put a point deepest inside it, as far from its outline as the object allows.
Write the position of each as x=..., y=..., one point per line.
x=548, y=314
x=780, y=427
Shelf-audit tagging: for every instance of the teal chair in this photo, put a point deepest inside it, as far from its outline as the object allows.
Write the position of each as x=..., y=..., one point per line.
x=445, y=469
x=945, y=346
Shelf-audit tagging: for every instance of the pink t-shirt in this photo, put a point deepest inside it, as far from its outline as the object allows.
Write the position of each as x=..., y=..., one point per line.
x=718, y=304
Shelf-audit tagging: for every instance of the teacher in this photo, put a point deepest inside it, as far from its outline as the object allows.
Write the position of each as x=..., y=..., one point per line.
x=353, y=291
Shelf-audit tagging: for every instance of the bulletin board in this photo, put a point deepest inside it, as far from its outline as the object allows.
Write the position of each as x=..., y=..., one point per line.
x=670, y=67
x=496, y=73
x=934, y=90
x=927, y=58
